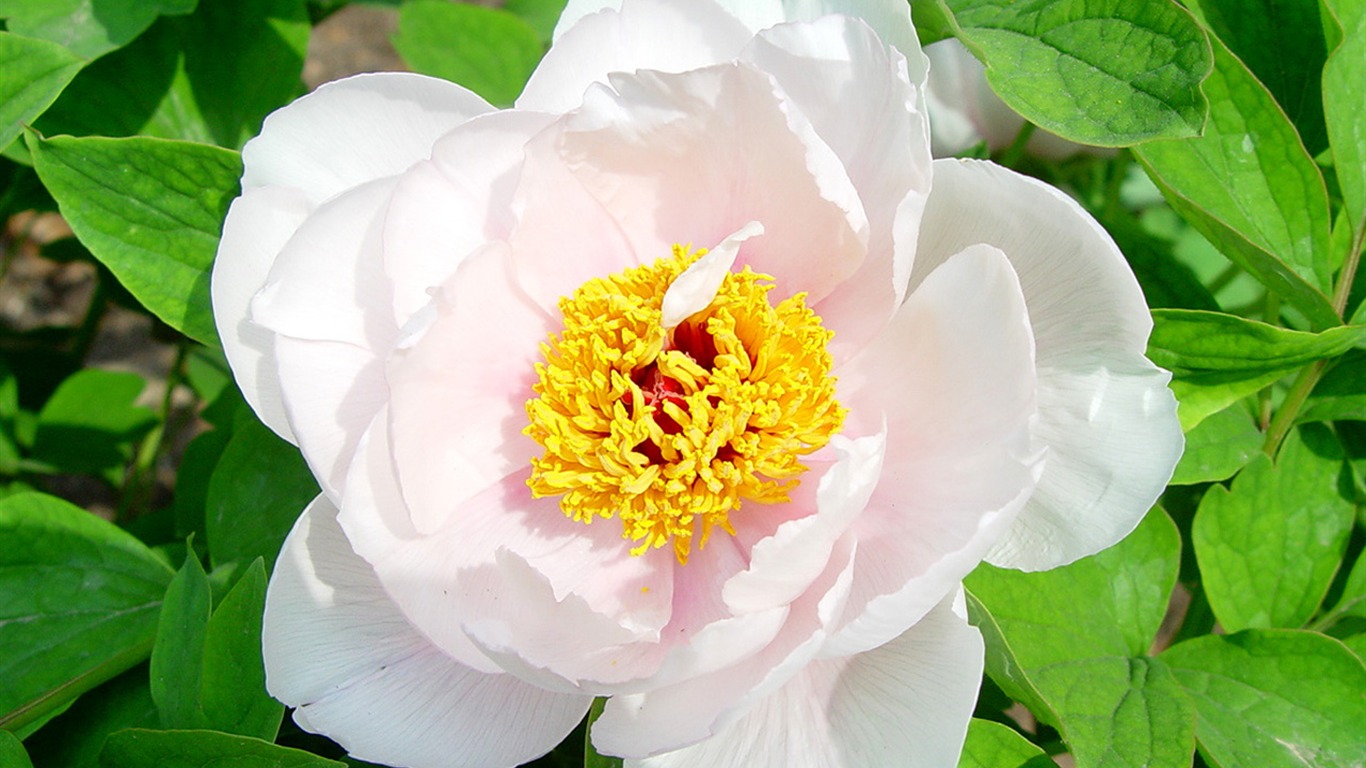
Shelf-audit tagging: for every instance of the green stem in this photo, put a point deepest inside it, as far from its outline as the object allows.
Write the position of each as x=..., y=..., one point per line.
x=1348, y=273
x=142, y=476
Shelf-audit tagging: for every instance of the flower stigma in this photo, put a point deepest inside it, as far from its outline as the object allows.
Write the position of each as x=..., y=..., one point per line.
x=671, y=430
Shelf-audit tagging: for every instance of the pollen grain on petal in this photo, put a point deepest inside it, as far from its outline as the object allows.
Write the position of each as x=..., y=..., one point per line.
x=671, y=431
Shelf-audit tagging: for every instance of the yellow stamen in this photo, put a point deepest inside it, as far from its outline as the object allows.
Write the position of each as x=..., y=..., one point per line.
x=671, y=431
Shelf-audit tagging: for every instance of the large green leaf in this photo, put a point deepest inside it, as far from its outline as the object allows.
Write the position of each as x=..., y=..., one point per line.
x=12, y=753
x=1273, y=698
x=78, y=604
x=32, y=75
x=135, y=748
x=1068, y=644
x=88, y=28
x=257, y=491
x=177, y=658
x=1345, y=119
x=1105, y=72
x=992, y=745
x=1249, y=185
x=149, y=209
x=1269, y=545
x=488, y=50
x=540, y=15
x=1281, y=42
x=209, y=77
x=90, y=423
x=74, y=739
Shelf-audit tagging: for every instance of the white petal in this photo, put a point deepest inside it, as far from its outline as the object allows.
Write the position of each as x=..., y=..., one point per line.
x=258, y=225
x=865, y=102
x=953, y=378
x=1105, y=413
x=663, y=35
x=355, y=130
x=694, y=290
x=906, y=703
x=955, y=75
x=336, y=648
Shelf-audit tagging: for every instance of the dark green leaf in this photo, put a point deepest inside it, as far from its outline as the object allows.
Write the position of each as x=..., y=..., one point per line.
x=1165, y=280
x=1271, y=698
x=1100, y=72
x=192, y=481
x=12, y=753
x=90, y=423
x=1218, y=447
x=487, y=50
x=178, y=656
x=257, y=491
x=1281, y=42
x=1341, y=393
x=1346, y=120
x=32, y=74
x=151, y=210
x=1249, y=185
x=78, y=604
x=89, y=28
x=1269, y=546
x=74, y=739
x=202, y=749
x=992, y=745
x=234, y=679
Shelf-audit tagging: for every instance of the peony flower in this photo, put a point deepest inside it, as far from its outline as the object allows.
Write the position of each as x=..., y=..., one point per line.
x=964, y=111
x=690, y=382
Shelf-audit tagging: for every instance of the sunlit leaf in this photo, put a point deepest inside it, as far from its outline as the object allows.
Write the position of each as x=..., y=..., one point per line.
x=488, y=50
x=88, y=28
x=202, y=749
x=992, y=745
x=32, y=74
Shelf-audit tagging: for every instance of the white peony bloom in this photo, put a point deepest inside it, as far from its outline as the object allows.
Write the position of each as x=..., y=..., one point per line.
x=691, y=382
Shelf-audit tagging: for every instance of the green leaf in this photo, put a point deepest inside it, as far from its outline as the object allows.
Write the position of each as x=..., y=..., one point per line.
x=992, y=745
x=1202, y=394
x=78, y=604
x=591, y=758
x=202, y=749
x=149, y=209
x=1063, y=642
x=487, y=50
x=74, y=739
x=1281, y=42
x=12, y=753
x=1189, y=341
x=234, y=679
x=210, y=77
x=1269, y=546
x=257, y=491
x=90, y=423
x=178, y=656
x=1249, y=185
x=1341, y=393
x=1103, y=72
x=1218, y=447
x=1271, y=698
x=540, y=15
x=83, y=28
x=32, y=74
x=1345, y=119
x=1353, y=599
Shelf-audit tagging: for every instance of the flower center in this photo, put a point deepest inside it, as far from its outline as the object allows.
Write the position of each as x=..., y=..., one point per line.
x=670, y=431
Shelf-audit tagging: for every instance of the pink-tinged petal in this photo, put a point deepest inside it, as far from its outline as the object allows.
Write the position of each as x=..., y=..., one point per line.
x=1106, y=416
x=669, y=717
x=692, y=157
x=564, y=236
x=664, y=35
x=952, y=378
x=445, y=208
x=458, y=396
x=891, y=19
x=258, y=225
x=906, y=703
x=785, y=564
x=338, y=650
x=352, y=131
x=862, y=100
